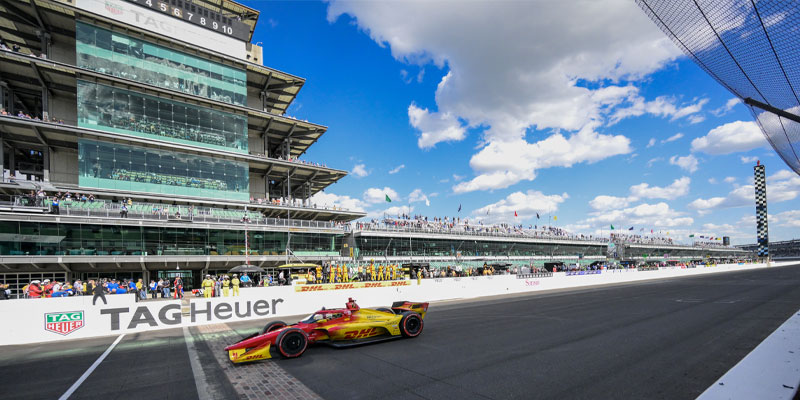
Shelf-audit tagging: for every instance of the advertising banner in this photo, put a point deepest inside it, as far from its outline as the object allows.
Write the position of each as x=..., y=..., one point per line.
x=350, y=285
x=165, y=26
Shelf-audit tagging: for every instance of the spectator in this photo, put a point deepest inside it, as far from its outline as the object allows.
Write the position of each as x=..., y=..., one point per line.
x=5, y=292
x=54, y=205
x=245, y=280
x=123, y=211
x=153, y=289
x=141, y=289
x=47, y=289
x=34, y=290
x=178, y=287
x=166, y=287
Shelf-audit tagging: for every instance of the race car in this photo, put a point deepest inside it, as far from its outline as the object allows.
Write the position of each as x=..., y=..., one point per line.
x=339, y=327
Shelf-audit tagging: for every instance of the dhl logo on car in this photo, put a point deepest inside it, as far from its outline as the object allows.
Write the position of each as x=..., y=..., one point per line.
x=364, y=333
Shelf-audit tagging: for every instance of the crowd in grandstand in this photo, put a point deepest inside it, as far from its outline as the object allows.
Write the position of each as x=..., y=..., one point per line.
x=640, y=239
x=457, y=225
x=23, y=115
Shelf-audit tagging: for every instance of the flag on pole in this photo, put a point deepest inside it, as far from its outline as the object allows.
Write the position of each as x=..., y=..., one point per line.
x=692, y=235
x=388, y=200
x=537, y=215
x=555, y=218
x=630, y=229
x=612, y=227
x=487, y=211
x=515, y=213
x=427, y=202
x=459, y=207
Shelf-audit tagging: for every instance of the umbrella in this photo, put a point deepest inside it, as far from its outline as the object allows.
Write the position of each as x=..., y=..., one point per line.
x=247, y=268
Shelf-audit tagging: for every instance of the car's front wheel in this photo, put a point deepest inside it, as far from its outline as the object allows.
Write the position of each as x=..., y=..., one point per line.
x=271, y=326
x=411, y=324
x=292, y=342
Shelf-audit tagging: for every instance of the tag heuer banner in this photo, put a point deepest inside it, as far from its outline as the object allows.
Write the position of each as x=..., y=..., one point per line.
x=63, y=323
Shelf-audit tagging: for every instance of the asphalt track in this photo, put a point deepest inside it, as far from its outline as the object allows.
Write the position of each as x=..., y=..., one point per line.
x=666, y=339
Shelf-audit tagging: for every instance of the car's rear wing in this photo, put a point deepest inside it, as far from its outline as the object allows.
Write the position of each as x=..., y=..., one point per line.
x=419, y=308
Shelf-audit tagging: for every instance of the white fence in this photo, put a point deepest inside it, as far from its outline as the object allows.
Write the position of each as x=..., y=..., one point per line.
x=44, y=320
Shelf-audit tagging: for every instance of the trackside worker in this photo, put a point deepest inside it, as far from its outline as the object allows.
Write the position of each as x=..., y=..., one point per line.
x=235, y=283
x=208, y=286
x=372, y=273
x=319, y=273
x=226, y=284
x=394, y=272
x=332, y=275
x=361, y=272
x=345, y=273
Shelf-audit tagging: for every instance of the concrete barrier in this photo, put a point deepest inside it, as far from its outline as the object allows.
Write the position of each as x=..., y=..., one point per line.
x=44, y=320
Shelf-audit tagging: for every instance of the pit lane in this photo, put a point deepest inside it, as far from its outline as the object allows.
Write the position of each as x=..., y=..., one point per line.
x=656, y=339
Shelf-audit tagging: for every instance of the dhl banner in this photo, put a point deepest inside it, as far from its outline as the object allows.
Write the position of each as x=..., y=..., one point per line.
x=351, y=285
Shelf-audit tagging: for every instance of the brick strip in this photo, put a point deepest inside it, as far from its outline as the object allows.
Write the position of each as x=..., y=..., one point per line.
x=259, y=380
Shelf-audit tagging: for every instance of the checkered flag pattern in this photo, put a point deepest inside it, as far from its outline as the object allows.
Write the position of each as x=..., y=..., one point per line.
x=761, y=211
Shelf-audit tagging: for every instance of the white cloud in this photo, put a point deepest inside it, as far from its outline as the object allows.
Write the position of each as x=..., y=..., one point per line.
x=687, y=163
x=397, y=169
x=662, y=106
x=732, y=102
x=748, y=160
x=651, y=143
x=504, y=163
x=526, y=205
x=672, y=138
x=789, y=219
x=782, y=186
x=360, y=170
x=604, y=202
x=323, y=199
x=712, y=181
x=435, y=127
x=535, y=88
x=731, y=138
x=729, y=179
x=643, y=215
x=678, y=188
x=653, y=161
x=418, y=195
x=457, y=177
x=378, y=195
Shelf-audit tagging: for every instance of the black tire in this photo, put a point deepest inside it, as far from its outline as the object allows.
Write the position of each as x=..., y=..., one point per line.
x=384, y=309
x=271, y=326
x=292, y=342
x=411, y=324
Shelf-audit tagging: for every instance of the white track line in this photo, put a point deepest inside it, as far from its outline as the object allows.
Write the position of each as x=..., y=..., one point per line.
x=200, y=381
x=89, y=371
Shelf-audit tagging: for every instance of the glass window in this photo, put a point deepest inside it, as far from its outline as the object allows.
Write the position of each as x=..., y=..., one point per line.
x=124, y=167
x=122, y=111
x=127, y=57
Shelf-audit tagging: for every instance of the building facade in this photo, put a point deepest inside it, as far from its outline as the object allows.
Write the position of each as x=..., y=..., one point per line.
x=162, y=115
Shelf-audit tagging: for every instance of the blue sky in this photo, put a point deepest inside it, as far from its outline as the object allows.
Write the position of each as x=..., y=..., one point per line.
x=534, y=107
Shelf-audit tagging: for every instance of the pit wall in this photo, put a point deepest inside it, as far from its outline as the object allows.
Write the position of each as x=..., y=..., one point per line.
x=44, y=320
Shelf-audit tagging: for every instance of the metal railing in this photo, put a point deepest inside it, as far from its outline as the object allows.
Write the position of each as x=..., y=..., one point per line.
x=479, y=231
x=159, y=212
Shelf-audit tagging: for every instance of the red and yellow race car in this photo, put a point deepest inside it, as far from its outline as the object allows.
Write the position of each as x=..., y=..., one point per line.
x=338, y=327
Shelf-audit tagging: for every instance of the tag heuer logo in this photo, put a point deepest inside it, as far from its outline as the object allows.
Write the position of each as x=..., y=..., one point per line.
x=63, y=323
x=113, y=8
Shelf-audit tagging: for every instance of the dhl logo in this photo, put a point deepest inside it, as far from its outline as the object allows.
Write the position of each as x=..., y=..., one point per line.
x=361, y=334
x=373, y=284
x=399, y=283
x=345, y=286
x=314, y=288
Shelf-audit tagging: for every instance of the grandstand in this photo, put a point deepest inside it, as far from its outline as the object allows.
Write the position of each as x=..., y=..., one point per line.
x=179, y=123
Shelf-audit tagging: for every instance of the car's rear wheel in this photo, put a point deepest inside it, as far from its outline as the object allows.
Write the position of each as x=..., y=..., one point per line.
x=271, y=326
x=292, y=342
x=411, y=324
x=384, y=309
